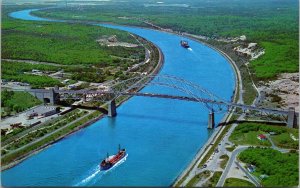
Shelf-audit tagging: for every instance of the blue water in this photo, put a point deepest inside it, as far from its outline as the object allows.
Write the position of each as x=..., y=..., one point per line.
x=25, y=15
x=161, y=136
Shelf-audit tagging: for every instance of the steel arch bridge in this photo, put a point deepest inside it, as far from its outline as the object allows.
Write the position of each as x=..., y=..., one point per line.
x=184, y=90
x=191, y=92
x=131, y=87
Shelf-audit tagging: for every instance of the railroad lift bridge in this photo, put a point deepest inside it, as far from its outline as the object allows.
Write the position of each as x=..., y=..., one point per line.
x=191, y=92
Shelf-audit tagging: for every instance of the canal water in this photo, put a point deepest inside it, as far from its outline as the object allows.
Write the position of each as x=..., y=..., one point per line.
x=161, y=136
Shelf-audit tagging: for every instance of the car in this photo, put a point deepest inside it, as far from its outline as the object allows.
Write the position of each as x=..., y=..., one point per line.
x=204, y=166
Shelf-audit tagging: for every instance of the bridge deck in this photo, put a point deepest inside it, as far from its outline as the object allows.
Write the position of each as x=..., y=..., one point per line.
x=167, y=96
x=245, y=107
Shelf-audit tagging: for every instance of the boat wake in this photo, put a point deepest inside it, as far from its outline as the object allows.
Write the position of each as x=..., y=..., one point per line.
x=96, y=174
x=190, y=49
x=92, y=174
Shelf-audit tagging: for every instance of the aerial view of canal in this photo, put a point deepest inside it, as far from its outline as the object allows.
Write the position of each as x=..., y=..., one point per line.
x=161, y=136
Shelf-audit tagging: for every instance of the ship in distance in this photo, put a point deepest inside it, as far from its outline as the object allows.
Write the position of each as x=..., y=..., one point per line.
x=112, y=160
x=184, y=44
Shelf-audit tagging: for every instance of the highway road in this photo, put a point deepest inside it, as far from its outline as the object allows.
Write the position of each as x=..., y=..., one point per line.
x=231, y=160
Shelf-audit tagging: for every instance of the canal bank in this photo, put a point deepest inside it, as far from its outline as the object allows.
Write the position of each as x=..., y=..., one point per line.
x=160, y=127
x=158, y=65
x=218, y=131
x=237, y=98
x=49, y=143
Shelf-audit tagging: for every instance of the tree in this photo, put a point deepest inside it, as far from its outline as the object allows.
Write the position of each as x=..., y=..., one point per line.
x=5, y=96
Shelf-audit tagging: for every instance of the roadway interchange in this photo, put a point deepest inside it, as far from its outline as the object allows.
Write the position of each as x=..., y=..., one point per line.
x=234, y=167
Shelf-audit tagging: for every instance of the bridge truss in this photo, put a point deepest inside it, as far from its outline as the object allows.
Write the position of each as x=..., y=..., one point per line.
x=180, y=89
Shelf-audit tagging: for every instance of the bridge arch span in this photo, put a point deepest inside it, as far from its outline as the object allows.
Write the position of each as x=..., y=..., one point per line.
x=192, y=91
x=186, y=87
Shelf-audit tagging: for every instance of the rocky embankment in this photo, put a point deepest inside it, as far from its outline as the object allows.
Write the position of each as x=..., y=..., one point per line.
x=281, y=93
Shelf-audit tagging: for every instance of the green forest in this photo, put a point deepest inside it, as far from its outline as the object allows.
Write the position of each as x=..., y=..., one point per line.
x=16, y=72
x=14, y=102
x=273, y=24
x=61, y=43
x=22, y=72
x=71, y=47
x=282, y=168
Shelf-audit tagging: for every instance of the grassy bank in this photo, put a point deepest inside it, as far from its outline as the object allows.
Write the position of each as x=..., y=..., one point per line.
x=214, y=146
x=212, y=182
x=224, y=161
x=36, y=134
x=20, y=154
x=23, y=131
x=235, y=182
x=246, y=133
x=197, y=178
x=249, y=138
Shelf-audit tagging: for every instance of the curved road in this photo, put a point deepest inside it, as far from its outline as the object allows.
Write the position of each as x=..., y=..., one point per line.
x=229, y=164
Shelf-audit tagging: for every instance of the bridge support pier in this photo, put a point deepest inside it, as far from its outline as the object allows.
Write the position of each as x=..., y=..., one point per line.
x=112, y=109
x=211, y=120
x=291, y=121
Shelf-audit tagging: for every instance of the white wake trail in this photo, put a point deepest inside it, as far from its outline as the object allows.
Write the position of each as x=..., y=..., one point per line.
x=90, y=177
x=96, y=171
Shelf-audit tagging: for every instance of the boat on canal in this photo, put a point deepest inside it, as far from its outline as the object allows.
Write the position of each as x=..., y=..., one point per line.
x=112, y=160
x=184, y=44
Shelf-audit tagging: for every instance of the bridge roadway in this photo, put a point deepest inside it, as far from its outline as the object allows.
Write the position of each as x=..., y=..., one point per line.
x=166, y=96
x=185, y=98
x=274, y=111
